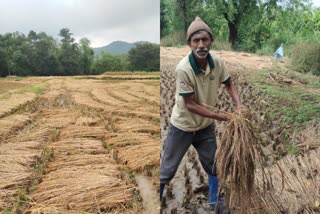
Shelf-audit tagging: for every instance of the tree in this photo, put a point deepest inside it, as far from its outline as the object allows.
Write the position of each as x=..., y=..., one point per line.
x=87, y=56
x=145, y=57
x=69, y=55
x=183, y=6
x=3, y=63
x=234, y=11
x=44, y=57
x=109, y=62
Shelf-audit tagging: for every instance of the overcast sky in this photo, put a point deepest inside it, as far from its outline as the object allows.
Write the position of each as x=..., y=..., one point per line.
x=316, y=3
x=101, y=21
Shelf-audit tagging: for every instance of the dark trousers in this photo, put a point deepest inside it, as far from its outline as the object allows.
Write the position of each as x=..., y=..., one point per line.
x=178, y=142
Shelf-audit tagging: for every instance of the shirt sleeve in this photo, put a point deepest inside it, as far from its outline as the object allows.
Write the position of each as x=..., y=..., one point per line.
x=224, y=73
x=184, y=85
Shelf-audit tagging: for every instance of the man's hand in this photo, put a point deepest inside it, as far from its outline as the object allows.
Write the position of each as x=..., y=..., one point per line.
x=241, y=109
x=221, y=117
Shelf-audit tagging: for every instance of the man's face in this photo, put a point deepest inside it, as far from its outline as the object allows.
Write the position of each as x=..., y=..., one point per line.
x=200, y=44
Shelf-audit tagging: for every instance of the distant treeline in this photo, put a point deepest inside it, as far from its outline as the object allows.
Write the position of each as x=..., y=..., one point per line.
x=252, y=26
x=39, y=54
x=144, y=57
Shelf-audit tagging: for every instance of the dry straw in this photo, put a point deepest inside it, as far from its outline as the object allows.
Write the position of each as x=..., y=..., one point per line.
x=14, y=101
x=143, y=149
x=74, y=131
x=295, y=186
x=13, y=123
x=83, y=187
x=138, y=126
x=141, y=156
x=81, y=177
x=16, y=161
x=58, y=118
x=236, y=161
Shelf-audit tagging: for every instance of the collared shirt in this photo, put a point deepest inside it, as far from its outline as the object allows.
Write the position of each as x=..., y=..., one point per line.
x=203, y=84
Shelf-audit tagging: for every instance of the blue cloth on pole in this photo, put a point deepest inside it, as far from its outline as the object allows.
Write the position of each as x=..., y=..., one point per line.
x=278, y=55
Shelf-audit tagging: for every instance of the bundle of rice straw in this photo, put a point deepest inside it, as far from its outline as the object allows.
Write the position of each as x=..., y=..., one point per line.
x=235, y=158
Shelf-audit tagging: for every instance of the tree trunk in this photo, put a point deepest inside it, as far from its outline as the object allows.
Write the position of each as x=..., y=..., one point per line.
x=183, y=6
x=233, y=33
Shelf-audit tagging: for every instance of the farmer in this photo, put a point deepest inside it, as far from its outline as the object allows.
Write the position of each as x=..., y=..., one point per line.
x=198, y=77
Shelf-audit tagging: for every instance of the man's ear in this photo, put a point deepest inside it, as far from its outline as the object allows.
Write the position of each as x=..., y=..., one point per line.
x=189, y=43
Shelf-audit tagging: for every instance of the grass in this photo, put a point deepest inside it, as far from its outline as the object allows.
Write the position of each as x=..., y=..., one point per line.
x=22, y=199
x=296, y=105
x=6, y=86
x=174, y=39
x=305, y=57
x=293, y=150
x=302, y=114
x=36, y=89
x=220, y=44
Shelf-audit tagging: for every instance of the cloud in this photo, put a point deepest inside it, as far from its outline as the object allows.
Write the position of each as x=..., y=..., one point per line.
x=101, y=21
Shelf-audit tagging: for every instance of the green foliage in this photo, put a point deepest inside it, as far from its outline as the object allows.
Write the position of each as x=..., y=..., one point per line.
x=221, y=44
x=36, y=89
x=41, y=55
x=145, y=57
x=115, y=48
x=293, y=150
x=305, y=57
x=173, y=39
x=301, y=114
x=3, y=63
x=252, y=26
x=87, y=56
x=69, y=54
x=297, y=105
x=109, y=62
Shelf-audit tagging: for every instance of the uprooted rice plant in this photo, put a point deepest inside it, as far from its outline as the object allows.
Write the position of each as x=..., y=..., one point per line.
x=55, y=151
x=237, y=159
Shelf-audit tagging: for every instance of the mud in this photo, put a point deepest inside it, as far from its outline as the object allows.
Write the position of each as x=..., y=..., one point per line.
x=150, y=198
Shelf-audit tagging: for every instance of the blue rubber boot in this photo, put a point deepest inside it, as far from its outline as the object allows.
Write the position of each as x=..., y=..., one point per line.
x=213, y=190
x=161, y=190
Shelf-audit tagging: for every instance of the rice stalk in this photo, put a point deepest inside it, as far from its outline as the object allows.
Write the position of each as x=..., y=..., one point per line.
x=141, y=156
x=236, y=159
x=74, y=131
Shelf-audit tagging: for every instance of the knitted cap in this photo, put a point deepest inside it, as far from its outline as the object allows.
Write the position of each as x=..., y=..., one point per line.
x=197, y=25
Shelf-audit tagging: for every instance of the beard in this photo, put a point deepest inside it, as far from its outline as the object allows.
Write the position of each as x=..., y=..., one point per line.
x=201, y=53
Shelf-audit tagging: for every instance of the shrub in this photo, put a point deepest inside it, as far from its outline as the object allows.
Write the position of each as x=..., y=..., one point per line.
x=305, y=57
x=174, y=39
x=220, y=44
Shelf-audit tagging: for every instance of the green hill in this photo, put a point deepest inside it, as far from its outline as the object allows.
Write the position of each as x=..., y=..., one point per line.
x=116, y=48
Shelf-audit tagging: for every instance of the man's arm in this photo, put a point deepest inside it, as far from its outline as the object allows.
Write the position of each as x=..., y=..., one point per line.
x=233, y=92
x=193, y=107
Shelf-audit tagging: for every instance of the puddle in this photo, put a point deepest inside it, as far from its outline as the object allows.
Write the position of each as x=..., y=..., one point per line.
x=149, y=195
